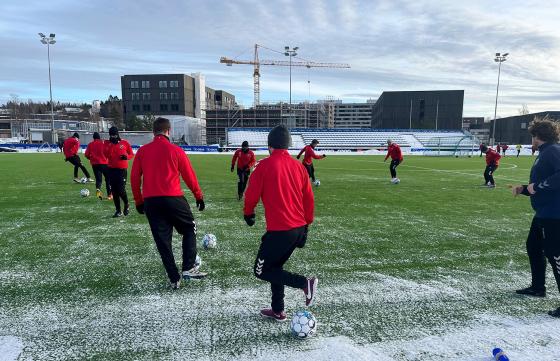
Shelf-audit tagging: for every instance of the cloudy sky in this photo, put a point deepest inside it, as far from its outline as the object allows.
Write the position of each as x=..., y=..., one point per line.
x=390, y=45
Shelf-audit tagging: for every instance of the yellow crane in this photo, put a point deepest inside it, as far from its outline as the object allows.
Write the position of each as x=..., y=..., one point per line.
x=257, y=63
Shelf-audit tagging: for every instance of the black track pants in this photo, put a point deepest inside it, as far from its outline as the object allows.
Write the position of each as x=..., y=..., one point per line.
x=77, y=163
x=489, y=174
x=393, y=167
x=117, y=180
x=311, y=171
x=543, y=243
x=243, y=178
x=275, y=250
x=164, y=214
x=101, y=171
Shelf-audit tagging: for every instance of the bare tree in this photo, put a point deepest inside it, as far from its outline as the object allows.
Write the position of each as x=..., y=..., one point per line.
x=524, y=110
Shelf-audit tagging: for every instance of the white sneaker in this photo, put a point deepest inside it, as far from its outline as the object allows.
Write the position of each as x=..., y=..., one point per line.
x=194, y=273
x=90, y=180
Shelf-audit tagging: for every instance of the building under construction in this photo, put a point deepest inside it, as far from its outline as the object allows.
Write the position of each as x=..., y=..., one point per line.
x=302, y=115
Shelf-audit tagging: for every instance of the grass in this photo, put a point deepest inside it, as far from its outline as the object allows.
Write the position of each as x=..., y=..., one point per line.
x=431, y=254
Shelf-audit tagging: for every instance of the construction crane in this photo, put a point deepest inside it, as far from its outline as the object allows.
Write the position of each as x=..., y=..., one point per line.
x=257, y=63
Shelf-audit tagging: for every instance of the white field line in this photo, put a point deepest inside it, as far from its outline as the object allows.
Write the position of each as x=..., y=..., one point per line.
x=478, y=175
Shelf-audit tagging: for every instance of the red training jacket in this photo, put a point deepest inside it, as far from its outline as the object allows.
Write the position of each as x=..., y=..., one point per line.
x=309, y=155
x=283, y=185
x=394, y=151
x=70, y=147
x=493, y=157
x=95, y=152
x=244, y=160
x=156, y=169
x=113, y=153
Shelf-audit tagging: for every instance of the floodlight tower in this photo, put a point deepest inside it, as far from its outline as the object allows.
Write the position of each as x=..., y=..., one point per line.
x=290, y=53
x=48, y=41
x=500, y=58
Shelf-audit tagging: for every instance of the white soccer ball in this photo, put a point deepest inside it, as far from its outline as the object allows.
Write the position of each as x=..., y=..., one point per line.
x=395, y=180
x=83, y=180
x=317, y=183
x=84, y=192
x=209, y=241
x=303, y=324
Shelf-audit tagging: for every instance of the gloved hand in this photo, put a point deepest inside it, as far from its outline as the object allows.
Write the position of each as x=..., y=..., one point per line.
x=124, y=157
x=200, y=204
x=140, y=208
x=324, y=155
x=299, y=156
x=303, y=239
x=250, y=219
x=231, y=169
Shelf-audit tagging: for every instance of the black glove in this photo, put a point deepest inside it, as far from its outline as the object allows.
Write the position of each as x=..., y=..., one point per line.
x=200, y=204
x=324, y=155
x=250, y=219
x=232, y=169
x=298, y=156
x=140, y=208
x=124, y=157
x=525, y=191
x=301, y=242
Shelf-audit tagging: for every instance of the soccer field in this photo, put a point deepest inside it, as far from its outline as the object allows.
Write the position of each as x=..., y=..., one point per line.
x=423, y=270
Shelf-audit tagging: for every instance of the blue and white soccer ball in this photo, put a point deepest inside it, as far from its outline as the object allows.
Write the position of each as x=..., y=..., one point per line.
x=317, y=183
x=303, y=324
x=84, y=192
x=209, y=241
x=83, y=180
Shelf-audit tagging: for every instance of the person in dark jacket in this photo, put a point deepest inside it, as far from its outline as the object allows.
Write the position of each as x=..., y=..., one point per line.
x=543, y=189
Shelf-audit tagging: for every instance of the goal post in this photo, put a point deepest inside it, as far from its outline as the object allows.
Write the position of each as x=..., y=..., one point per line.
x=458, y=146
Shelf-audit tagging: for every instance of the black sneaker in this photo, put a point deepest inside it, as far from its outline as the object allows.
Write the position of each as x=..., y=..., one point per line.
x=530, y=291
x=117, y=214
x=555, y=313
x=175, y=285
x=126, y=210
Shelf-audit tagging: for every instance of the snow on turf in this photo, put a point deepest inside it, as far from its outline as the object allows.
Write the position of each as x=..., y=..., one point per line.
x=10, y=348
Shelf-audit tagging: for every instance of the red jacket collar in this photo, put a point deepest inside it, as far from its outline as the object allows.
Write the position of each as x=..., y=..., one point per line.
x=279, y=152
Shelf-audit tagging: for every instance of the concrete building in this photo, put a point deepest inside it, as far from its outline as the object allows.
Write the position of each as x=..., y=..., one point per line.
x=434, y=109
x=513, y=130
x=171, y=94
x=353, y=115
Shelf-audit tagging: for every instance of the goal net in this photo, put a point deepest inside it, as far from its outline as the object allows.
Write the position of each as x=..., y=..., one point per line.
x=451, y=146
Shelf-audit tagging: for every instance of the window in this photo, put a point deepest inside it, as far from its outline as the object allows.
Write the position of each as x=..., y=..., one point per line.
x=163, y=83
x=175, y=107
x=523, y=125
x=146, y=107
x=134, y=84
x=174, y=96
x=135, y=107
x=163, y=107
x=146, y=96
x=162, y=96
x=135, y=96
x=145, y=83
x=174, y=84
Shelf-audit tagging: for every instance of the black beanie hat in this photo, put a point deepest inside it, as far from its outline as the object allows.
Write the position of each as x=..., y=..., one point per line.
x=279, y=137
x=76, y=135
x=96, y=135
x=245, y=144
x=113, y=131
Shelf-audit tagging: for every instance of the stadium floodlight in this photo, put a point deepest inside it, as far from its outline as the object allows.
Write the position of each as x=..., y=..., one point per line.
x=498, y=59
x=290, y=53
x=50, y=41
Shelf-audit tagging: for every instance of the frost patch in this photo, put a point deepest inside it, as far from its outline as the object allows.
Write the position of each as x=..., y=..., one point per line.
x=10, y=348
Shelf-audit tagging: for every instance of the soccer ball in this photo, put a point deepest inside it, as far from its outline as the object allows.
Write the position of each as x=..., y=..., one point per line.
x=304, y=324
x=84, y=192
x=317, y=183
x=209, y=241
x=83, y=180
x=395, y=180
x=197, y=261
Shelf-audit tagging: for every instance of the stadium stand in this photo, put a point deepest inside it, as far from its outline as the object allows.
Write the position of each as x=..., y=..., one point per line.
x=352, y=138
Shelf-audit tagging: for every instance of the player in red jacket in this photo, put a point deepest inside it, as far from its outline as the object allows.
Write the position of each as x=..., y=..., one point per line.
x=504, y=149
x=96, y=155
x=245, y=159
x=156, y=186
x=308, y=157
x=282, y=184
x=492, y=163
x=70, y=147
x=394, y=151
x=118, y=151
